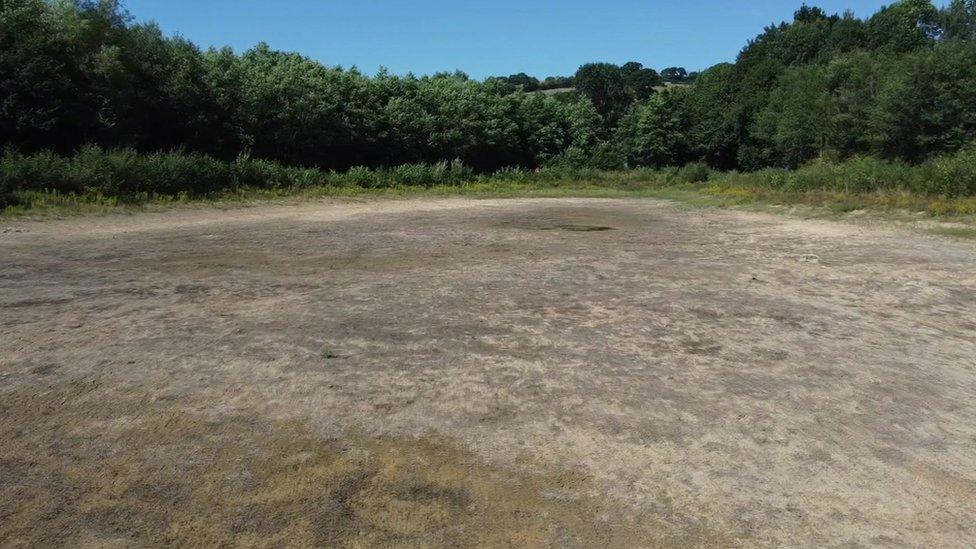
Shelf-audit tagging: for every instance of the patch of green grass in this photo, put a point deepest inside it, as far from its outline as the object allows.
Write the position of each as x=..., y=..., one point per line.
x=328, y=353
x=956, y=232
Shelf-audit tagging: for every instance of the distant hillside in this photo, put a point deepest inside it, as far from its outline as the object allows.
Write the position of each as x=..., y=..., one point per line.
x=556, y=91
x=661, y=88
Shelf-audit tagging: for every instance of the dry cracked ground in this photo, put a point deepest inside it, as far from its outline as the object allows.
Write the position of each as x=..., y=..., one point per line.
x=562, y=372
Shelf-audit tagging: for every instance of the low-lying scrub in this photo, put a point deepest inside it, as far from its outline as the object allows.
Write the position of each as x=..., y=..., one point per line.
x=130, y=176
x=942, y=186
x=951, y=176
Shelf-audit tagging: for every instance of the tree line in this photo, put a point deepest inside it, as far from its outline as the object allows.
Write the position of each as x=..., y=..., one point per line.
x=900, y=84
x=74, y=73
x=633, y=71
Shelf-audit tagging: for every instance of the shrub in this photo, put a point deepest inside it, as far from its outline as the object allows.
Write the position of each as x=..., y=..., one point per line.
x=771, y=178
x=608, y=156
x=411, y=175
x=856, y=175
x=512, y=174
x=429, y=175
x=868, y=174
x=42, y=171
x=573, y=157
x=951, y=176
x=360, y=176
x=695, y=172
x=458, y=172
x=818, y=174
x=7, y=196
x=255, y=172
x=563, y=172
x=174, y=173
x=302, y=178
x=126, y=173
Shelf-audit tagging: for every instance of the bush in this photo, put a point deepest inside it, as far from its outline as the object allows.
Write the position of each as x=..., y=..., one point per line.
x=511, y=174
x=608, y=156
x=413, y=175
x=126, y=173
x=428, y=175
x=695, y=172
x=7, y=196
x=302, y=178
x=410, y=175
x=573, y=157
x=855, y=175
x=458, y=172
x=360, y=176
x=254, y=172
x=951, y=176
x=770, y=178
x=868, y=174
x=562, y=172
x=41, y=171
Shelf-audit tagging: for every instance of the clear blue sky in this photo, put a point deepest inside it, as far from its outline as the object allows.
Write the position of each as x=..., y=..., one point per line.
x=482, y=37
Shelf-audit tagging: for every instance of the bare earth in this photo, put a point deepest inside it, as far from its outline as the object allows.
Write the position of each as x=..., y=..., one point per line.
x=496, y=372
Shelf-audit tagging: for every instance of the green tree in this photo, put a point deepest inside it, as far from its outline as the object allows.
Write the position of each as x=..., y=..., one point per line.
x=655, y=132
x=755, y=78
x=847, y=34
x=605, y=86
x=903, y=26
x=523, y=82
x=674, y=74
x=44, y=102
x=794, y=125
x=853, y=82
x=712, y=109
x=927, y=103
x=301, y=112
x=900, y=83
x=639, y=80
x=958, y=20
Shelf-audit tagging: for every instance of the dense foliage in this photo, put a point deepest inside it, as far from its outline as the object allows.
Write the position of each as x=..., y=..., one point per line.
x=899, y=86
x=78, y=73
x=96, y=176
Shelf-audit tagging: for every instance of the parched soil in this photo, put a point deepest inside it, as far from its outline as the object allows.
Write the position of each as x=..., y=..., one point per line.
x=551, y=372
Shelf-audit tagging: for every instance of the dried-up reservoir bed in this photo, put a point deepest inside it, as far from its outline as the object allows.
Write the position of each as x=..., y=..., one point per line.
x=528, y=372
